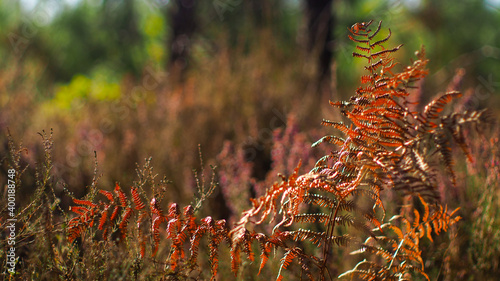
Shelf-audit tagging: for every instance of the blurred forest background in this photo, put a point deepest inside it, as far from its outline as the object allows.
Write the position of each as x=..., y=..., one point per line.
x=130, y=79
x=118, y=81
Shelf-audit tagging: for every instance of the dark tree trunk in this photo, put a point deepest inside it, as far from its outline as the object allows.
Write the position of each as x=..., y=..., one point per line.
x=320, y=22
x=183, y=25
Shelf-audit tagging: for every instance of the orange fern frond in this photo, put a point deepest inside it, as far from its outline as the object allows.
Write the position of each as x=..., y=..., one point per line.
x=155, y=208
x=108, y=195
x=121, y=196
x=436, y=106
x=124, y=222
x=313, y=236
x=79, y=210
x=84, y=202
x=115, y=213
x=102, y=220
x=311, y=218
x=265, y=248
x=287, y=259
x=155, y=230
x=195, y=242
x=137, y=199
x=235, y=258
x=330, y=139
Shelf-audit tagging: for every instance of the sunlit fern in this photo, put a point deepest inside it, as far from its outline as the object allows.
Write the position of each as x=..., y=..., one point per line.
x=384, y=147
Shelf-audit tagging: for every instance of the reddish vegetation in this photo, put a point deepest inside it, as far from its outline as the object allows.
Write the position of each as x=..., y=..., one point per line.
x=386, y=147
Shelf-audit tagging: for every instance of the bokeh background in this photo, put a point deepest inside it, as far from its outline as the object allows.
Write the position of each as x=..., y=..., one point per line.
x=119, y=81
x=131, y=79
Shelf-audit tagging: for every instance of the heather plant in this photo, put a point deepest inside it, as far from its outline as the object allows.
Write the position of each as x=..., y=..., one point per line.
x=484, y=250
x=474, y=251
x=150, y=112
x=289, y=146
x=375, y=194
x=234, y=171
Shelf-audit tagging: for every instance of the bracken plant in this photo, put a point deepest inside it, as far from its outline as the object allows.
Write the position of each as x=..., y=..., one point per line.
x=383, y=147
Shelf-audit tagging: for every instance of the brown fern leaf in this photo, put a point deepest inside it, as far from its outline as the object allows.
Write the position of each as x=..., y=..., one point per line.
x=459, y=138
x=456, y=122
x=287, y=259
x=338, y=125
x=374, y=67
x=155, y=208
x=207, y=223
x=322, y=201
x=79, y=210
x=190, y=220
x=177, y=253
x=121, y=196
x=142, y=245
x=265, y=248
x=313, y=236
x=358, y=55
x=102, y=220
x=235, y=258
x=124, y=222
x=361, y=28
x=440, y=219
x=155, y=230
x=114, y=215
x=84, y=220
x=137, y=199
x=380, y=42
x=218, y=233
x=141, y=218
x=405, y=255
x=311, y=218
x=108, y=195
x=187, y=227
x=376, y=31
x=173, y=211
x=340, y=104
x=75, y=229
x=364, y=41
x=84, y=202
x=173, y=227
x=443, y=146
x=364, y=49
x=330, y=139
x=176, y=256
x=180, y=230
x=385, y=52
x=432, y=110
x=342, y=240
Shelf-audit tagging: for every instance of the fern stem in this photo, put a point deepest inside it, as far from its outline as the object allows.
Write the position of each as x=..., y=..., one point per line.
x=329, y=233
x=396, y=253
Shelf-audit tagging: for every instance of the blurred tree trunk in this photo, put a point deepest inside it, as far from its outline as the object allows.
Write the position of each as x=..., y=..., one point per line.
x=320, y=21
x=183, y=25
x=263, y=12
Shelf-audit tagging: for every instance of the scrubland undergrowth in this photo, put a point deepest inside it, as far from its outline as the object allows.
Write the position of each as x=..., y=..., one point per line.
x=388, y=199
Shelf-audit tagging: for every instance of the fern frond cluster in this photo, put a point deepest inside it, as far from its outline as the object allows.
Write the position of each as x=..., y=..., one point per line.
x=179, y=225
x=399, y=246
x=384, y=146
